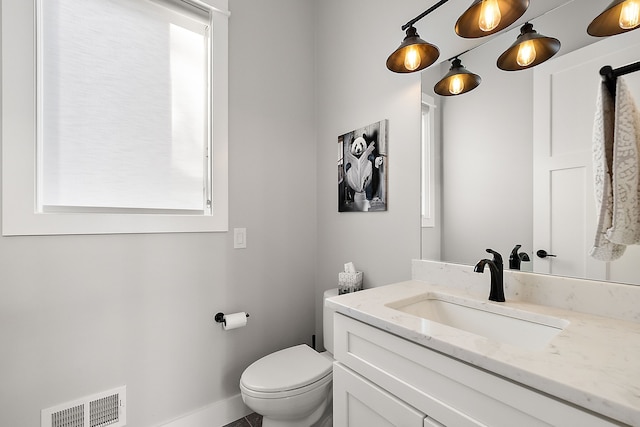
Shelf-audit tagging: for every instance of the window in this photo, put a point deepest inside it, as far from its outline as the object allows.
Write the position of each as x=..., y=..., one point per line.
x=124, y=128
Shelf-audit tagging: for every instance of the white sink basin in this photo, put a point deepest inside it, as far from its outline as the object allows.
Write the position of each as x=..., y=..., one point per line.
x=501, y=323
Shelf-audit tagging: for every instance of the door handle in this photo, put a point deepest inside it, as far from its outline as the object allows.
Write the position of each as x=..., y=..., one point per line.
x=543, y=254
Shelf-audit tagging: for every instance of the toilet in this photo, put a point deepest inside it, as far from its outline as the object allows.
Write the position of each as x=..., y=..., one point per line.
x=294, y=387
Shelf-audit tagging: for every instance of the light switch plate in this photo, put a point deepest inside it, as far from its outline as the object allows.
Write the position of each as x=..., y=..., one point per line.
x=239, y=238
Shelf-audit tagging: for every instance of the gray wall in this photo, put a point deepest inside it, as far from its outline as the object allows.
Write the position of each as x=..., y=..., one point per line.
x=354, y=89
x=83, y=314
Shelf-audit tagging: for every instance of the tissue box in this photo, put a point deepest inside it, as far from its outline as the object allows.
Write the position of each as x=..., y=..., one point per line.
x=349, y=282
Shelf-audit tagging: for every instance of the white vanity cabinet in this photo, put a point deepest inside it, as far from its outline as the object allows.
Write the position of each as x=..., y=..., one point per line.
x=381, y=379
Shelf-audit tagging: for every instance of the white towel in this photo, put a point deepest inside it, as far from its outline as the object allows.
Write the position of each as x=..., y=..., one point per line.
x=625, y=228
x=603, y=132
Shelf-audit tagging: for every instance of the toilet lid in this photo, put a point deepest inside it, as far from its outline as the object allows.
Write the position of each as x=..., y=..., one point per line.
x=287, y=369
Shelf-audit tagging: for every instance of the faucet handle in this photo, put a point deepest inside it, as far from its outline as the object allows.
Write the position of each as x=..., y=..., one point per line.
x=497, y=258
x=514, y=251
x=517, y=257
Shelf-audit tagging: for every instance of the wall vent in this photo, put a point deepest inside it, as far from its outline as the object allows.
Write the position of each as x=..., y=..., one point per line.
x=106, y=409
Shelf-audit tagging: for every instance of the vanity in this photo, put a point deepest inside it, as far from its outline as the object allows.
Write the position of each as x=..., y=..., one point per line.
x=433, y=351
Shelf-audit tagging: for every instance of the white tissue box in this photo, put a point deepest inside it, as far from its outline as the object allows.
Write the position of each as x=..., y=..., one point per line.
x=349, y=282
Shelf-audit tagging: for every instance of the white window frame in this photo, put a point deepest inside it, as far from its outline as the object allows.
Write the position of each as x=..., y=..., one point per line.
x=428, y=161
x=19, y=133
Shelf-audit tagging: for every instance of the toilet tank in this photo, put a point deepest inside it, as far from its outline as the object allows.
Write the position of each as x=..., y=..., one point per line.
x=327, y=320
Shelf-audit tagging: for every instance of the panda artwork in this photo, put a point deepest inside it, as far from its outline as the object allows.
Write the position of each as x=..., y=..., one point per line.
x=359, y=165
x=362, y=174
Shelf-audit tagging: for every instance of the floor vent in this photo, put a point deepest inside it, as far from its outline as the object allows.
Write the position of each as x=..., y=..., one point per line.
x=107, y=409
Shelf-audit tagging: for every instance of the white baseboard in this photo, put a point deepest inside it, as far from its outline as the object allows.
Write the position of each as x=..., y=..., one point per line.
x=217, y=414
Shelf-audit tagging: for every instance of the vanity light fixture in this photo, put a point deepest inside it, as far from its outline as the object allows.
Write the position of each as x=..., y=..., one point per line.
x=482, y=18
x=619, y=17
x=486, y=17
x=414, y=54
x=529, y=50
x=457, y=81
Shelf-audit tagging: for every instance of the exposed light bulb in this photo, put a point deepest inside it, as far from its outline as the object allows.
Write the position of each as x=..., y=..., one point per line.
x=629, y=14
x=412, y=58
x=526, y=53
x=489, y=15
x=456, y=85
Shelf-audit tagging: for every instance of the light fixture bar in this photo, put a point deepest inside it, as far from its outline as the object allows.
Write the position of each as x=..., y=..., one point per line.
x=428, y=53
x=423, y=14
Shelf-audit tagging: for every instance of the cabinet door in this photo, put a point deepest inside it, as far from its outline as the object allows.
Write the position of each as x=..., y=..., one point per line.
x=357, y=403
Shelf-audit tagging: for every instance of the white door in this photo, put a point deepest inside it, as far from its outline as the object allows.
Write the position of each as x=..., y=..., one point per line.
x=564, y=105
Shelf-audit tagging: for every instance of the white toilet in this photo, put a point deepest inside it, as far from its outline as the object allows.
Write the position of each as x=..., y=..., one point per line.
x=294, y=387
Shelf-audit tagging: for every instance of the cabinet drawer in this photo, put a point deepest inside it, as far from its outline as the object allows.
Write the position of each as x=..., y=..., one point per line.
x=453, y=392
x=358, y=403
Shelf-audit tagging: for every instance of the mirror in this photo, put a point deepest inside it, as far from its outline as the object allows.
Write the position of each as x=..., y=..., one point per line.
x=478, y=172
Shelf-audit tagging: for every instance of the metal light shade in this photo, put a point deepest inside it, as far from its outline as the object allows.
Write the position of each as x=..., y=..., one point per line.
x=427, y=53
x=467, y=25
x=469, y=80
x=545, y=48
x=607, y=23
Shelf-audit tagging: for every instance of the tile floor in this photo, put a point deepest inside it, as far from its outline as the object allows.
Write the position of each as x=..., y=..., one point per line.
x=251, y=420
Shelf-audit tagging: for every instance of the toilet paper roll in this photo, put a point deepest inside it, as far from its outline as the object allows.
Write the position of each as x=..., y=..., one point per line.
x=234, y=320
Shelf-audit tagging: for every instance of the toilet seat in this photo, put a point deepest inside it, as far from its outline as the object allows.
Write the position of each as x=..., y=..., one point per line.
x=289, y=372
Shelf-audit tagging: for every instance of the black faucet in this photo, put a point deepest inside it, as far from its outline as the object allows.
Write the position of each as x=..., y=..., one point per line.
x=516, y=258
x=496, y=268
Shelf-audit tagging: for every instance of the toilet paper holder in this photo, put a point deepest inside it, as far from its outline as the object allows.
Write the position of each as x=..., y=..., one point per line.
x=219, y=317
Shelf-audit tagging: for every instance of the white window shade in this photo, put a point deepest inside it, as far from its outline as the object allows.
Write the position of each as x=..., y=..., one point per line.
x=124, y=106
x=102, y=204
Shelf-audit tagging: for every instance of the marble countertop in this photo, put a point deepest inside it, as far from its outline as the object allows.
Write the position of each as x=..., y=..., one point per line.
x=594, y=362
